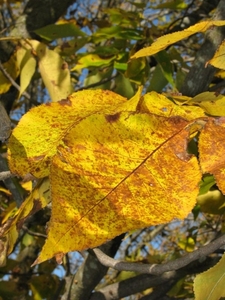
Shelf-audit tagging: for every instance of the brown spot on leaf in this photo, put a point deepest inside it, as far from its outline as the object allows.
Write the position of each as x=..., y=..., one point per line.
x=65, y=102
x=112, y=118
x=64, y=66
x=37, y=158
x=36, y=207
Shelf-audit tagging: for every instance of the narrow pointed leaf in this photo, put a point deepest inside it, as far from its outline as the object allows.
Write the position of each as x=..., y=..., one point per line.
x=171, y=38
x=218, y=59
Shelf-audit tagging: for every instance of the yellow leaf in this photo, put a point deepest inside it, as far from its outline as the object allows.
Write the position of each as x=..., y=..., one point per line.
x=171, y=38
x=162, y=106
x=54, y=71
x=31, y=148
x=218, y=59
x=27, y=64
x=38, y=199
x=92, y=60
x=187, y=244
x=116, y=162
x=211, y=150
x=12, y=69
x=211, y=103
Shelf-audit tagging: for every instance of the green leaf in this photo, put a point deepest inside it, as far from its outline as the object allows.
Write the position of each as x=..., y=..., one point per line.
x=167, y=68
x=210, y=284
x=56, y=31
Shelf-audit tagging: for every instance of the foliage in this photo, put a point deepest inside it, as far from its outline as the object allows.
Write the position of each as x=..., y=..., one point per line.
x=124, y=153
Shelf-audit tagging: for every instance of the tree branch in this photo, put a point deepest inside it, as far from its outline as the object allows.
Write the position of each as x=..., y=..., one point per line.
x=199, y=77
x=6, y=74
x=157, y=269
x=6, y=174
x=90, y=273
x=142, y=282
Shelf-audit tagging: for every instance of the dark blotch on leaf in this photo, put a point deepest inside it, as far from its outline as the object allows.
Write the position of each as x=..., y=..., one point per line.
x=112, y=118
x=65, y=102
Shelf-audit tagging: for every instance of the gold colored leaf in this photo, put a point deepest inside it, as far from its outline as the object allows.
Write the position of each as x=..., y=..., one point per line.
x=164, y=41
x=27, y=65
x=122, y=168
x=31, y=148
x=211, y=103
x=218, y=59
x=162, y=106
x=116, y=162
x=54, y=71
x=211, y=150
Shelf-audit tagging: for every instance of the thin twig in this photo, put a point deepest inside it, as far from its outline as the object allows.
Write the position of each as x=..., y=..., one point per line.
x=97, y=83
x=6, y=174
x=157, y=269
x=34, y=233
x=7, y=75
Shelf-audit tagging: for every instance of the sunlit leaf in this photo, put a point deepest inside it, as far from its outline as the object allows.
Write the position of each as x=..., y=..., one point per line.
x=211, y=149
x=27, y=65
x=92, y=60
x=212, y=103
x=131, y=190
x=54, y=71
x=171, y=38
x=161, y=105
x=218, y=59
x=120, y=158
x=187, y=244
x=30, y=151
x=174, y=4
x=210, y=284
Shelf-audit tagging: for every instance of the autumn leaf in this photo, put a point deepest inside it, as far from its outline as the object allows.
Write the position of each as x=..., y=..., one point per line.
x=11, y=225
x=218, y=59
x=211, y=150
x=27, y=65
x=12, y=70
x=54, y=71
x=164, y=41
x=116, y=163
x=32, y=147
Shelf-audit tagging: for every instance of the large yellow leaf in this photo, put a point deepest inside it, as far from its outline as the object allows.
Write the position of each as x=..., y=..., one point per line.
x=171, y=38
x=122, y=172
x=113, y=165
